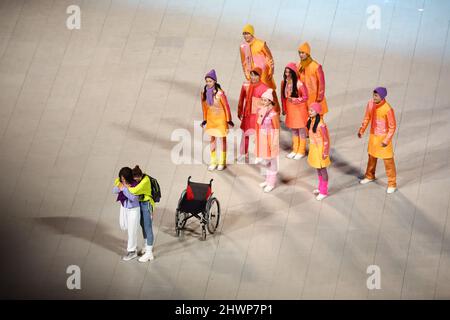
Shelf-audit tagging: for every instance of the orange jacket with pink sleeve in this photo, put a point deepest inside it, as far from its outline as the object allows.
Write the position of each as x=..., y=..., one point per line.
x=381, y=117
x=257, y=54
x=313, y=78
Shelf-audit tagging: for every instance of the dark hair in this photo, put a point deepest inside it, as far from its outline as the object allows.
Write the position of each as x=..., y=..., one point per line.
x=127, y=174
x=137, y=172
x=272, y=103
x=217, y=87
x=294, y=93
x=316, y=123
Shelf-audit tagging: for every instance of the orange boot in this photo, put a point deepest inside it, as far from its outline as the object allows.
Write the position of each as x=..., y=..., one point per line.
x=295, y=145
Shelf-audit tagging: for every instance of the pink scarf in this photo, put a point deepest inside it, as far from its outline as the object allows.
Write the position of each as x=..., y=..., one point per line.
x=374, y=107
x=263, y=112
x=248, y=56
x=288, y=89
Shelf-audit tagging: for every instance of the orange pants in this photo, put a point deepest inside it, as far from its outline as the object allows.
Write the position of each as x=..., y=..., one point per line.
x=389, y=165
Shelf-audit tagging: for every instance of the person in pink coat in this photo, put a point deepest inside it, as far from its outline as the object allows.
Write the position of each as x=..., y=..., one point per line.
x=268, y=139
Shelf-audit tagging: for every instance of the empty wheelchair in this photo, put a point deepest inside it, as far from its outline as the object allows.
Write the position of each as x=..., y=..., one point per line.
x=197, y=201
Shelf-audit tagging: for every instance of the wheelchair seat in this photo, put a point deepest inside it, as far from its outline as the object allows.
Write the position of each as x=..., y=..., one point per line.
x=195, y=198
x=197, y=201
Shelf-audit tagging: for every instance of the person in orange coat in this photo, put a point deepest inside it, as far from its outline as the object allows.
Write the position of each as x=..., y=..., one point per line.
x=381, y=117
x=294, y=97
x=311, y=74
x=255, y=53
x=216, y=118
x=268, y=139
x=319, y=148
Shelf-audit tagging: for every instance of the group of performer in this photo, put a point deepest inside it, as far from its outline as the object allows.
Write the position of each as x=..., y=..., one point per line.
x=304, y=105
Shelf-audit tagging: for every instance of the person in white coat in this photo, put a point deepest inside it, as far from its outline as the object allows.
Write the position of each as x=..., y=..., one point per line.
x=129, y=210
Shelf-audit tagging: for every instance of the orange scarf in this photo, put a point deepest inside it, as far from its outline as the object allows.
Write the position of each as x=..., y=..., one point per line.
x=248, y=55
x=305, y=63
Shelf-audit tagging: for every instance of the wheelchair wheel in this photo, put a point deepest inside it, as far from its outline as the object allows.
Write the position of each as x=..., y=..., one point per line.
x=212, y=215
x=179, y=216
x=203, y=233
x=181, y=198
x=180, y=221
x=177, y=222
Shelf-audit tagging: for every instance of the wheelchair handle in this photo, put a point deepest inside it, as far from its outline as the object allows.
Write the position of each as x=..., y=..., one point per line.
x=189, y=180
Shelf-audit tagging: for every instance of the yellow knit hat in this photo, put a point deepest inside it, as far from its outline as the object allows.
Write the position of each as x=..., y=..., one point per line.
x=249, y=29
x=305, y=47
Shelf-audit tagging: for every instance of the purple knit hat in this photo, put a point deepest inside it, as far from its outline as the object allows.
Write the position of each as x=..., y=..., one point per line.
x=381, y=91
x=212, y=75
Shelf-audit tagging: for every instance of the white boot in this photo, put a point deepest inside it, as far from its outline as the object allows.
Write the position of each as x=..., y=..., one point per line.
x=365, y=181
x=142, y=251
x=320, y=197
x=391, y=190
x=299, y=156
x=291, y=155
x=263, y=184
x=148, y=254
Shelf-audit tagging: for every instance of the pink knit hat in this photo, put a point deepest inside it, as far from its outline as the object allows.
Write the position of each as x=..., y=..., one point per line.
x=268, y=95
x=317, y=107
x=292, y=66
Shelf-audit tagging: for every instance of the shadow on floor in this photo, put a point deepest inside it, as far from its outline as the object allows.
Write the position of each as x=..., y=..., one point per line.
x=85, y=229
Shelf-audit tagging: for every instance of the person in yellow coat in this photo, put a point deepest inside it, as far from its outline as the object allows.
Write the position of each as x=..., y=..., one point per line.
x=312, y=75
x=319, y=148
x=255, y=53
x=380, y=115
x=216, y=118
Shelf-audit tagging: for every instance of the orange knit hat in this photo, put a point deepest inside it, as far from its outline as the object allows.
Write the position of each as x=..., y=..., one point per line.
x=305, y=47
x=248, y=28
